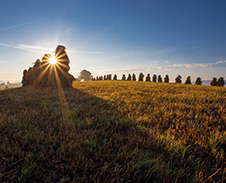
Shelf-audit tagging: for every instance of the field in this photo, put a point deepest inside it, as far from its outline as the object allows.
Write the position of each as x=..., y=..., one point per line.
x=113, y=131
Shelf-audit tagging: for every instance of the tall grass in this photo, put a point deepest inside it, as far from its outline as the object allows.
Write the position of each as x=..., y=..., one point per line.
x=113, y=131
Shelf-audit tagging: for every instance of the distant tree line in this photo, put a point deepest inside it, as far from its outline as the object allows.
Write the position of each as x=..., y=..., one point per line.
x=159, y=79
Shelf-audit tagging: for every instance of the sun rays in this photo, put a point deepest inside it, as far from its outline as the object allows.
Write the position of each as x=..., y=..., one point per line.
x=53, y=60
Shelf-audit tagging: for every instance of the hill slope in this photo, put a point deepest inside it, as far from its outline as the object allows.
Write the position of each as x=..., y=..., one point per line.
x=113, y=131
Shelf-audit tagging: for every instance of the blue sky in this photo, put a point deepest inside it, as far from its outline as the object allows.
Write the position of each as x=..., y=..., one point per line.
x=116, y=36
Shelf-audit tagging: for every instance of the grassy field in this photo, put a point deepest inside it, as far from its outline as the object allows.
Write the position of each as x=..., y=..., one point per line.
x=113, y=131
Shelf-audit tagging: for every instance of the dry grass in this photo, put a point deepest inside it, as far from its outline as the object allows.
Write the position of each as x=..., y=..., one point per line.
x=113, y=131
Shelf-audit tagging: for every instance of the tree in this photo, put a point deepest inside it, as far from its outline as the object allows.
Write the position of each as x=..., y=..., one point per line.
x=85, y=75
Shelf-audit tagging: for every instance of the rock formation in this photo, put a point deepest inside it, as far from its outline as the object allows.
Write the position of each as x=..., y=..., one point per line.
x=46, y=74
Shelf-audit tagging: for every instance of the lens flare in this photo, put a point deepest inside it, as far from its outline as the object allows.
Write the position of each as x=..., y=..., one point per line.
x=52, y=60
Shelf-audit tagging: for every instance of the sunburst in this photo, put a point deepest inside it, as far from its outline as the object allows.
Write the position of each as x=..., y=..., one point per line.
x=53, y=60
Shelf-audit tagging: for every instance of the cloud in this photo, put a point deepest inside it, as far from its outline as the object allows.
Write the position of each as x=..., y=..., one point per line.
x=34, y=48
x=27, y=47
x=19, y=25
x=85, y=52
x=134, y=69
x=198, y=65
x=154, y=68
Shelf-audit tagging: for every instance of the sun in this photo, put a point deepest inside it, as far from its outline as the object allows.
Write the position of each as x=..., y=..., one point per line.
x=52, y=60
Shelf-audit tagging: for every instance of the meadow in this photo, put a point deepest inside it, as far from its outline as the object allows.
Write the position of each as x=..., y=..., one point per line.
x=113, y=131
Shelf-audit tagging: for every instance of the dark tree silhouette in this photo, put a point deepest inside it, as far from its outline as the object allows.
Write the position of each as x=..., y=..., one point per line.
x=134, y=77
x=188, y=80
x=159, y=79
x=221, y=81
x=148, y=78
x=166, y=79
x=129, y=77
x=154, y=78
x=198, y=81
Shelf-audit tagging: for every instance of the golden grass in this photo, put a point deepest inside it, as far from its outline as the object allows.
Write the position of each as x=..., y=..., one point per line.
x=113, y=131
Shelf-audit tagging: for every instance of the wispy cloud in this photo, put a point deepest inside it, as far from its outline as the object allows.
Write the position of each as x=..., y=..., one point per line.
x=134, y=69
x=198, y=65
x=19, y=25
x=155, y=68
x=27, y=47
x=85, y=52
x=34, y=48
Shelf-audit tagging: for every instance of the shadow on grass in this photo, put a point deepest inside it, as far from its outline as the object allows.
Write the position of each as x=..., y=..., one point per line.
x=47, y=136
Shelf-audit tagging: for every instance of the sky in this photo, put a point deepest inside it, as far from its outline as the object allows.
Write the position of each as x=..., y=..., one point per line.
x=116, y=36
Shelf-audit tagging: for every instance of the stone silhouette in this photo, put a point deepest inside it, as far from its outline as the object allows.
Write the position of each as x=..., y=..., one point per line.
x=25, y=78
x=154, y=78
x=159, y=79
x=221, y=81
x=198, y=81
x=129, y=77
x=166, y=79
x=45, y=74
x=62, y=67
x=148, y=78
x=123, y=77
x=115, y=77
x=178, y=79
x=188, y=80
x=141, y=77
x=30, y=76
x=214, y=82
x=109, y=77
x=134, y=77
